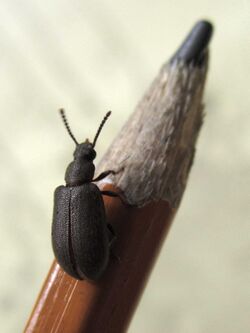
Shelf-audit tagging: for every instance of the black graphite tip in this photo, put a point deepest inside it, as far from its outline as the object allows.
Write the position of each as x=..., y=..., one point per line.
x=193, y=47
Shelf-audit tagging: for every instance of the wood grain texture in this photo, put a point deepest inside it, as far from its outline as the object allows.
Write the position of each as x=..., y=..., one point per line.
x=155, y=148
x=153, y=153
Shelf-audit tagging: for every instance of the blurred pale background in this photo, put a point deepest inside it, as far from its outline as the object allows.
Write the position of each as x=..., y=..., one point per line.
x=91, y=56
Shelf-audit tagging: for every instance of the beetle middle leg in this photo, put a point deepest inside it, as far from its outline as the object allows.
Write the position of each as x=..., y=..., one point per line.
x=115, y=194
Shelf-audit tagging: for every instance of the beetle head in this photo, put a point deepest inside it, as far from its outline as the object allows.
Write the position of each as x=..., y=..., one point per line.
x=85, y=151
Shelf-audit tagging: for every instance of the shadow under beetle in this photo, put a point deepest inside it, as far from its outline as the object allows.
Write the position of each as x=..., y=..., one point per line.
x=81, y=238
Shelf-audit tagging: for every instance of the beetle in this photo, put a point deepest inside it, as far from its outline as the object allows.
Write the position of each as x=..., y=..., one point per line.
x=81, y=237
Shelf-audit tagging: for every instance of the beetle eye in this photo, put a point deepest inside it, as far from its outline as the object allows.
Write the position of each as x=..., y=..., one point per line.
x=90, y=155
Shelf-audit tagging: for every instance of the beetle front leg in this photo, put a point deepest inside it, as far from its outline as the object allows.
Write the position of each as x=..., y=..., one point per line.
x=103, y=175
x=106, y=173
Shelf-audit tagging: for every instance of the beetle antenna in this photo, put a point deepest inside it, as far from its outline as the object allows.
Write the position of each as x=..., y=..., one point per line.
x=100, y=127
x=65, y=121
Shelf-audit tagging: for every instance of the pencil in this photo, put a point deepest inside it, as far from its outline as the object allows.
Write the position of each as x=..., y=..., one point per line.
x=154, y=151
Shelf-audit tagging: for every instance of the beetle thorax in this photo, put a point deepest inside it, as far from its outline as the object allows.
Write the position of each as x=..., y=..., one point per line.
x=81, y=170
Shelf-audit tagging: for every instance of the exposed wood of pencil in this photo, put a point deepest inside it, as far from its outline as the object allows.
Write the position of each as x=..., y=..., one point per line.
x=154, y=152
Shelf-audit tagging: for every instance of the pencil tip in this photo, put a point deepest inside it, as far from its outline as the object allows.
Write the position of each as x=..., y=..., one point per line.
x=193, y=47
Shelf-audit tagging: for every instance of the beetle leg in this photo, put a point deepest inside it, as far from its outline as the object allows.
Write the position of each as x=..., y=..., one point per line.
x=115, y=194
x=114, y=256
x=106, y=173
x=112, y=235
x=103, y=175
x=112, y=238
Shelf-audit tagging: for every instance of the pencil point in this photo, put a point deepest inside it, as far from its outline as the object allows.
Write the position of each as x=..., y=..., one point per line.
x=195, y=44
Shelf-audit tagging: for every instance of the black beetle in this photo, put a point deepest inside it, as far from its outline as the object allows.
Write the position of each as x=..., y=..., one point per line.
x=81, y=237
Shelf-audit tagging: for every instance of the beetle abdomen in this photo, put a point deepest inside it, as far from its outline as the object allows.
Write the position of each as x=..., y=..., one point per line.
x=79, y=231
